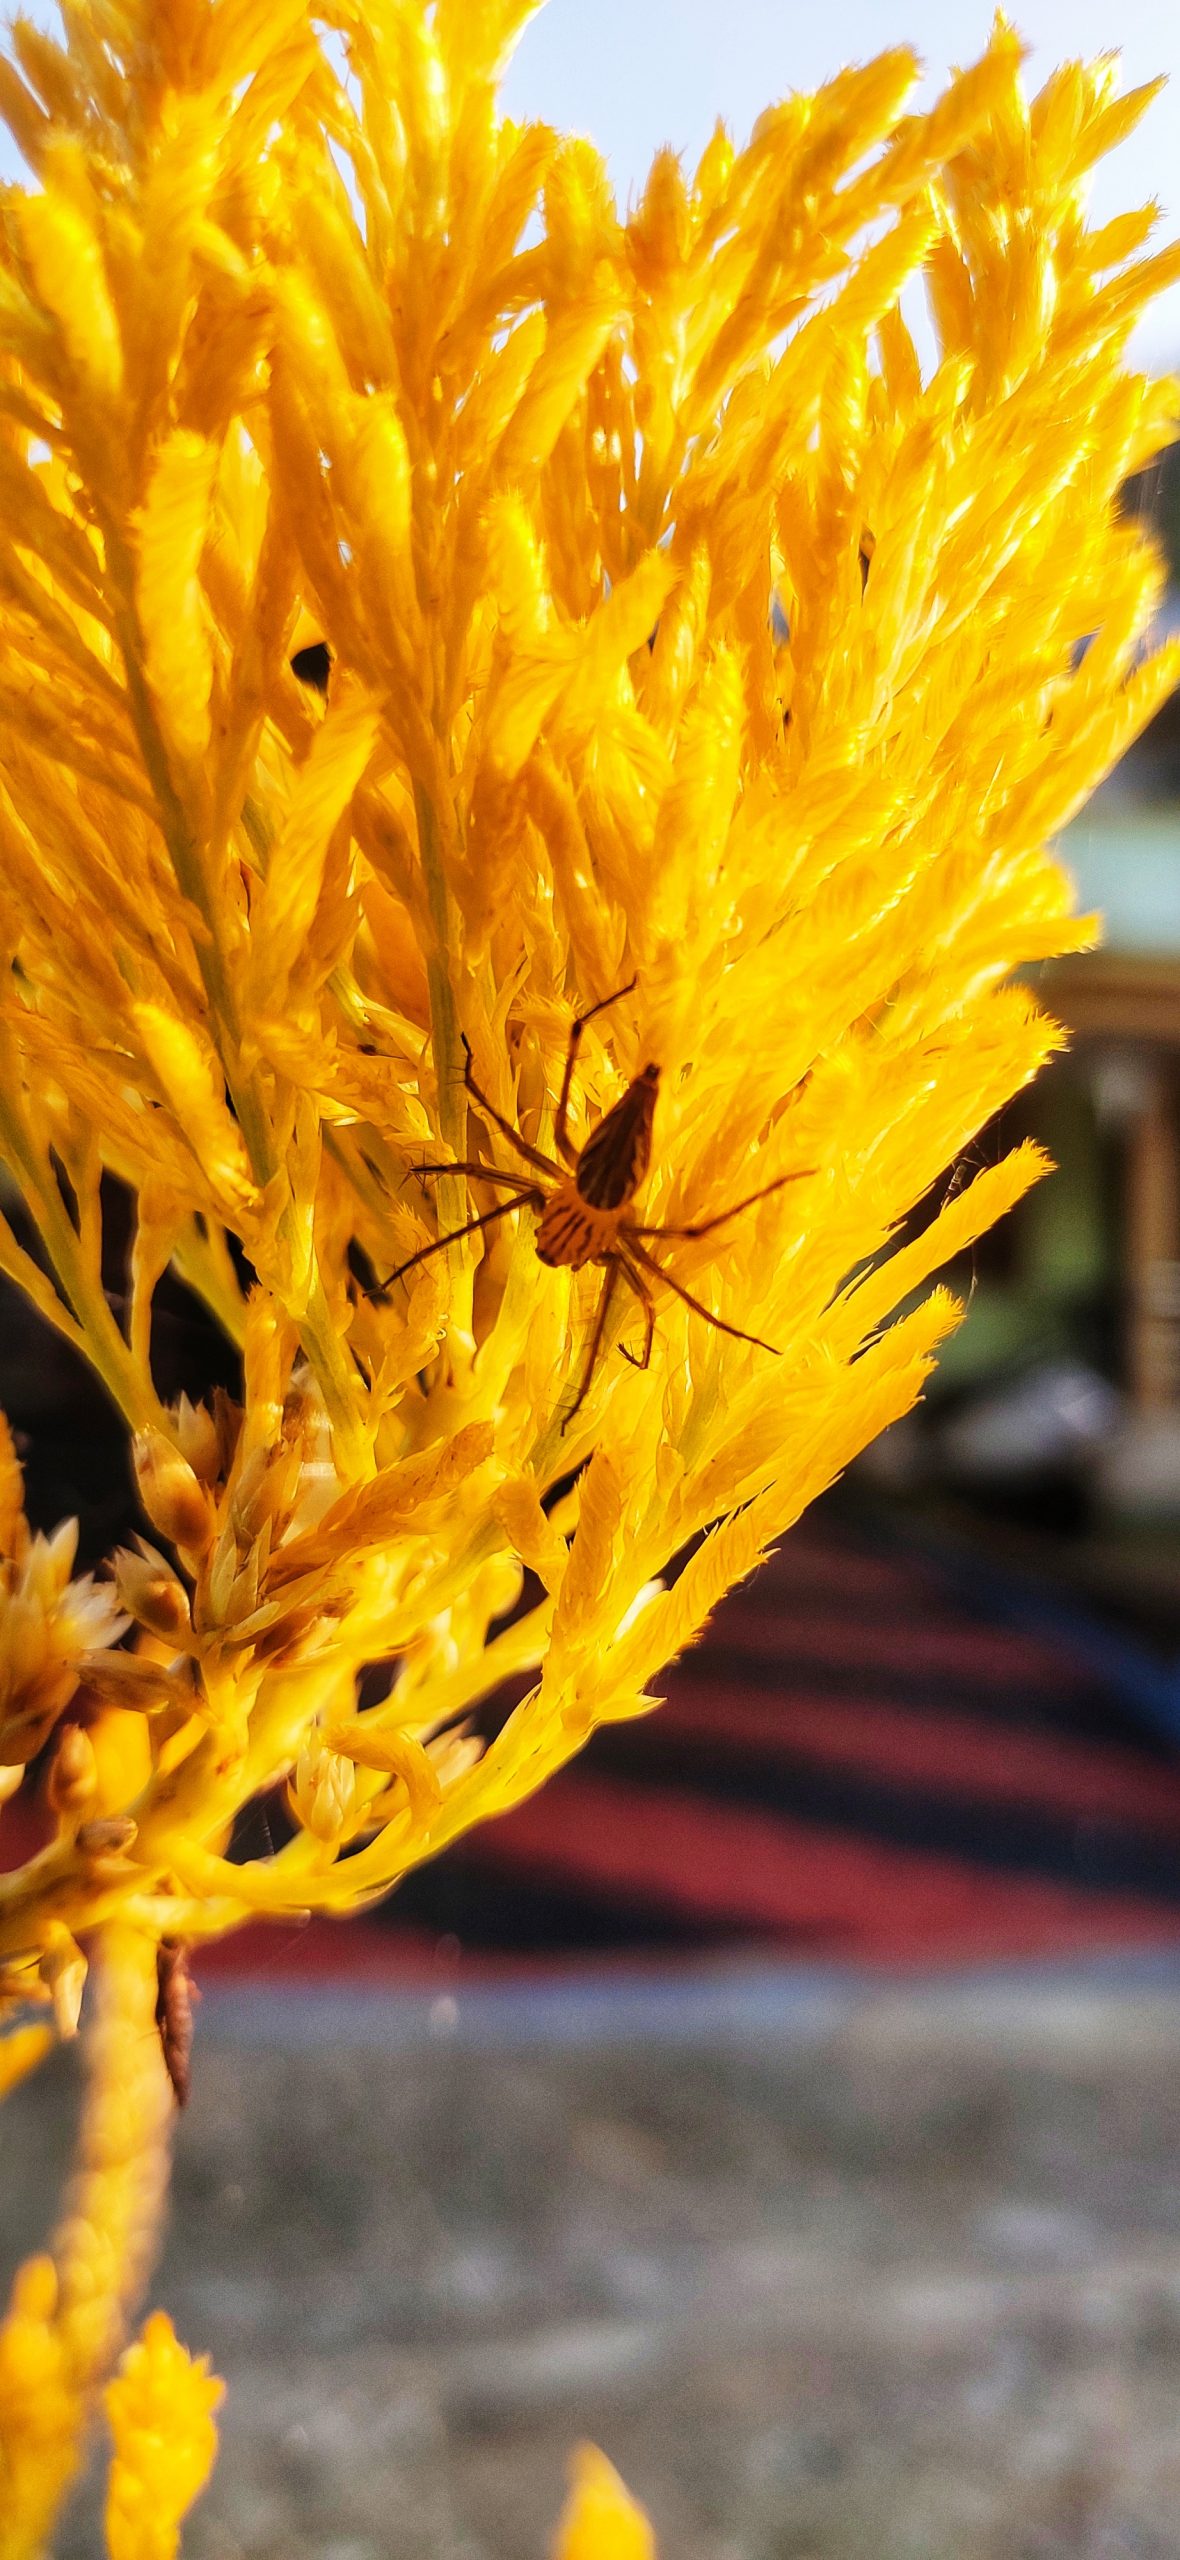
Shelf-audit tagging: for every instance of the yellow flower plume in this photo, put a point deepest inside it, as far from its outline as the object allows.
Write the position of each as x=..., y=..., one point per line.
x=160, y=2408
x=688, y=634
x=682, y=629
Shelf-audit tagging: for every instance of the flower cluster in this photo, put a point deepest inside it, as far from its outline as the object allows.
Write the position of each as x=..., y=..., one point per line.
x=686, y=653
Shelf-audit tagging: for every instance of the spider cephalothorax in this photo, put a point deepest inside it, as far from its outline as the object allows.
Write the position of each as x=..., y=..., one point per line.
x=582, y=1212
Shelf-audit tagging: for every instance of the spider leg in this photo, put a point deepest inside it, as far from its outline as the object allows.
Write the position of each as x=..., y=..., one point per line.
x=697, y=1304
x=705, y=1226
x=478, y=1172
x=532, y=1155
x=609, y=1286
x=638, y=1285
x=527, y=1194
x=561, y=1136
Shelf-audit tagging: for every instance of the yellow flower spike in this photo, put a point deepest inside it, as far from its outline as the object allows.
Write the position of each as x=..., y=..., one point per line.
x=38, y=2413
x=296, y=869
x=181, y=1063
x=160, y=2412
x=178, y=640
x=600, y=2520
x=69, y=275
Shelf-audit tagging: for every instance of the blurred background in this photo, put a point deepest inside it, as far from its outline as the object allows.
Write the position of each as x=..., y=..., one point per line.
x=788, y=2095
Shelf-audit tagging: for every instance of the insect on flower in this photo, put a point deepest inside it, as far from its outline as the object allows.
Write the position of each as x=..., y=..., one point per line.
x=583, y=1216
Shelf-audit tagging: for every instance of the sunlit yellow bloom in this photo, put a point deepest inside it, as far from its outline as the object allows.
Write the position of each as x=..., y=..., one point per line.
x=160, y=2408
x=694, y=640
x=65, y=2319
x=38, y=2409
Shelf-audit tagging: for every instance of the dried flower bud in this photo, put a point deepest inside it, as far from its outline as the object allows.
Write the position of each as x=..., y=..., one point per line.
x=324, y=1792
x=227, y=1416
x=198, y=1439
x=134, y=1680
x=73, y=1776
x=63, y=1972
x=107, y=1836
x=48, y=1623
x=285, y=1634
x=153, y=1594
x=176, y=1503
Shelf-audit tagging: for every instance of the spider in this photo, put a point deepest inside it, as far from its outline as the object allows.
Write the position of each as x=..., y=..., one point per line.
x=582, y=1211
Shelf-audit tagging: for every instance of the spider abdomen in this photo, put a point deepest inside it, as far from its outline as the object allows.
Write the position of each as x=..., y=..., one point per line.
x=617, y=1153
x=571, y=1233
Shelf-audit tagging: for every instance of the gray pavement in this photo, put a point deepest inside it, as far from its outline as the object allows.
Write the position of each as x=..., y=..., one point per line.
x=834, y=2270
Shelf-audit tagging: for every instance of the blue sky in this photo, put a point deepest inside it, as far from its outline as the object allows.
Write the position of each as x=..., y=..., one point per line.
x=638, y=73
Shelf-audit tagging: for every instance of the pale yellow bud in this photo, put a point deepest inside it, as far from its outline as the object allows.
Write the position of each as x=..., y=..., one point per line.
x=324, y=1791
x=63, y=1972
x=175, y=1501
x=73, y=1776
x=502, y=1583
x=397, y=1755
x=122, y=1747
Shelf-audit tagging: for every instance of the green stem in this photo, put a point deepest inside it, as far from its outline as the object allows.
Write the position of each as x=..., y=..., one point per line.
x=338, y=1383
x=445, y=1041
x=204, y=1264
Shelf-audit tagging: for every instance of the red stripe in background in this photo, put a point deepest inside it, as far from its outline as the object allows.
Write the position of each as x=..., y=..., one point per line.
x=853, y=1641
x=857, y=1897
x=827, y=1893
x=946, y=1755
